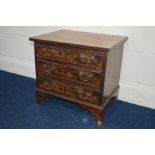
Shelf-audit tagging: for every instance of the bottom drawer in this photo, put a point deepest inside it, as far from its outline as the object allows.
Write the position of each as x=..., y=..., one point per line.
x=69, y=90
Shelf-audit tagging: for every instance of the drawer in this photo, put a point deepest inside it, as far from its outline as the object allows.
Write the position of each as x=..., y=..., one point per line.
x=69, y=73
x=69, y=90
x=70, y=56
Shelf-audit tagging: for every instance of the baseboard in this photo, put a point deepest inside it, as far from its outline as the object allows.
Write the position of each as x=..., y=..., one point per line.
x=17, y=66
x=139, y=94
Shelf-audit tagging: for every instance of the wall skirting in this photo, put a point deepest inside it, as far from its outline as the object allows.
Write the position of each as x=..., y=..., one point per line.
x=17, y=66
x=140, y=94
x=134, y=93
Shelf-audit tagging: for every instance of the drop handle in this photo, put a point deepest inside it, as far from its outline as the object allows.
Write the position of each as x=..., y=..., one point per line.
x=84, y=96
x=47, y=85
x=87, y=58
x=92, y=58
x=83, y=78
x=49, y=69
x=48, y=52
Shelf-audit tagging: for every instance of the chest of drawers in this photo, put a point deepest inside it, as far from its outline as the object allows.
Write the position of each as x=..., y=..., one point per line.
x=80, y=67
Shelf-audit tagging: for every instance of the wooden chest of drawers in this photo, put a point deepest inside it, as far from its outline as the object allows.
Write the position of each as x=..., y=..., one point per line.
x=79, y=66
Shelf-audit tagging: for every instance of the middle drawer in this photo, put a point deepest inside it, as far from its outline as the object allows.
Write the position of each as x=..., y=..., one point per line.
x=68, y=72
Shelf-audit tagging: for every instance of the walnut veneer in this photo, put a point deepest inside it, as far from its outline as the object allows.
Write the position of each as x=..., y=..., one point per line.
x=79, y=66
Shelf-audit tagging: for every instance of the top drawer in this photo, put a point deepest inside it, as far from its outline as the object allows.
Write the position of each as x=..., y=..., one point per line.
x=70, y=56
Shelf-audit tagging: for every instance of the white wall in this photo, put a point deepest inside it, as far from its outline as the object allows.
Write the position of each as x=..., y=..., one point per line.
x=16, y=51
x=138, y=67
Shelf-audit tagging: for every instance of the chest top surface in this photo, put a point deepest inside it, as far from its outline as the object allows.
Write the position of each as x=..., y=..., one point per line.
x=76, y=38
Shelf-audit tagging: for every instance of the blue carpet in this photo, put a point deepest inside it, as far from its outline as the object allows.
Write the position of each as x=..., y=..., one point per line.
x=18, y=110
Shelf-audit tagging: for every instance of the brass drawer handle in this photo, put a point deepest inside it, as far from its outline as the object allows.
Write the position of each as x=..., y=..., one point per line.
x=86, y=58
x=44, y=49
x=49, y=69
x=48, y=52
x=92, y=58
x=82, y=78
x=84, y=96
x=47, y=85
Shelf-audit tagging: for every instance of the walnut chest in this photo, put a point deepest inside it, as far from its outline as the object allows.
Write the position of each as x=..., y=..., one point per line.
x=80, y=67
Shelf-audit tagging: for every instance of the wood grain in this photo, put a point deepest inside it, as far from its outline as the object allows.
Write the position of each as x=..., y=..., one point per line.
x=65, y=55
x=80, y=67
x=68, y=72
x=86, y=39
x=69, y=90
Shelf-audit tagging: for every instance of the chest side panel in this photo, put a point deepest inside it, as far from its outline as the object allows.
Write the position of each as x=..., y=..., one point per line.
x=112, y=73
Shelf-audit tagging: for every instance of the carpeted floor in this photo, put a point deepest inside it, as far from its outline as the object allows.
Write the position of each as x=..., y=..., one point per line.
x=18, y=110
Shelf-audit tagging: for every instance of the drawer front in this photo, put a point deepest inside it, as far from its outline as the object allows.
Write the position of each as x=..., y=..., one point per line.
x=70, y=56
x=69, y=73
x=69, y=90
